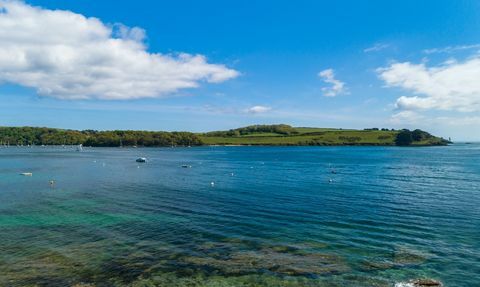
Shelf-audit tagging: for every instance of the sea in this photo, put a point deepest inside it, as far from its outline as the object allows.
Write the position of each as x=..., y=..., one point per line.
x=240, y=216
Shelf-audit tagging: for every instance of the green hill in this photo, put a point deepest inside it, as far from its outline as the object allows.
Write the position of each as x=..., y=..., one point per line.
x=287, y=135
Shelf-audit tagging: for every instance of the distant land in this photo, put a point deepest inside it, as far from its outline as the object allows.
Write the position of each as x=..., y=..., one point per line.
x=288, y=135
x=275, y=135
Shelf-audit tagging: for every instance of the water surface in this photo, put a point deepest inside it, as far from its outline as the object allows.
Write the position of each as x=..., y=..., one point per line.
x=274, y=216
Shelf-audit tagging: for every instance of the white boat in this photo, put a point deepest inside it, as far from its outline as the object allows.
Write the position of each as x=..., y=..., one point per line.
x=26, y=173
x=141, y=159
x=79, y=147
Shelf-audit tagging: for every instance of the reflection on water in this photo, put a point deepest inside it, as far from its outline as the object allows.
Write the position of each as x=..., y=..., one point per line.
x=276, y=216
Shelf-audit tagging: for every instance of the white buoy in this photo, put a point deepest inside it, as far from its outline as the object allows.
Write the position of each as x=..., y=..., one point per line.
x=231, y=174
x=212, y=184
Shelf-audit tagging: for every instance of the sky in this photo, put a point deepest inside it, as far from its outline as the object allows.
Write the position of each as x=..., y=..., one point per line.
x=215, y=65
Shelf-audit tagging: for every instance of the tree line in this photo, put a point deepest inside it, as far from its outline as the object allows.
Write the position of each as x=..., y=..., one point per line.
x=277, y=129
x=406, y=137
x=49, y=136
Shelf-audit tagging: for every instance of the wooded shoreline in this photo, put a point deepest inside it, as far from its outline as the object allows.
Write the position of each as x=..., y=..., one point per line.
x=256, y=135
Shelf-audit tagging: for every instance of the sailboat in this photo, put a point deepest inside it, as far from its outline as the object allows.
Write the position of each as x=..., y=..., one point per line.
x=79, y=147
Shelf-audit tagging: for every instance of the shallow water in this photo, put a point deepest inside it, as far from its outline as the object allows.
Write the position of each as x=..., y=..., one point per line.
x=275, y=216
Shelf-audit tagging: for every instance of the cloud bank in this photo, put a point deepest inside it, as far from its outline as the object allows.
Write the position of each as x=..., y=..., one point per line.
x=69, y=56
x=337, y=87
x=452, y=86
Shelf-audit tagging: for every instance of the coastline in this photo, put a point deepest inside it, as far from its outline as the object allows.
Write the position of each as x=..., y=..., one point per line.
x=325, y=145
x=256, y=135
x=235, y=145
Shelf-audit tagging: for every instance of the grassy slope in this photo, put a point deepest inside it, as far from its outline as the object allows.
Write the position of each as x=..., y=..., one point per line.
x=314, y=136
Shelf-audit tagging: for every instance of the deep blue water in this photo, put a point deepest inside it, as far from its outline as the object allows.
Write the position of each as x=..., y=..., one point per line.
x=274, y=216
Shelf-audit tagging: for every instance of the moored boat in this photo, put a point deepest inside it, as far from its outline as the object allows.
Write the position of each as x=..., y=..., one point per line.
x=141, y=159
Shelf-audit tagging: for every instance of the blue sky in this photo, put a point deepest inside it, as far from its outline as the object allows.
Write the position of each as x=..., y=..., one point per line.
x=209, y=65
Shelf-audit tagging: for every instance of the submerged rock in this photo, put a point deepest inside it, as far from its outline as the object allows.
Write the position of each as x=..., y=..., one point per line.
x=314, y=244
x=421, y=283
x=426, y=283
x=251, y=280
x=399, y=258
x=405, y=256
x=290, y=249
x=376, y=265
x=274, y=260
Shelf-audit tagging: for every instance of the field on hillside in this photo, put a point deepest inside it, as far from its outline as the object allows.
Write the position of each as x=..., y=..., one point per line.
x=307, y=136
x=310, y=136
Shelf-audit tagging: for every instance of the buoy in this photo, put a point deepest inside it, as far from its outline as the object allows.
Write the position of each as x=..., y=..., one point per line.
x=231, y=174
x=212, y=183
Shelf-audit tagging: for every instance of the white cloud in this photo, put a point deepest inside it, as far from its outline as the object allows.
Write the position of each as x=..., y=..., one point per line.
x=258, y=109
x=451, y=49
x=406, y=117
x=453, y=86
x=66, y=55
x=337, y=87
x=375, y=48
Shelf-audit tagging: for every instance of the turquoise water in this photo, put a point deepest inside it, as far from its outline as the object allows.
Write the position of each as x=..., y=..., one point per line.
x=275, y=216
